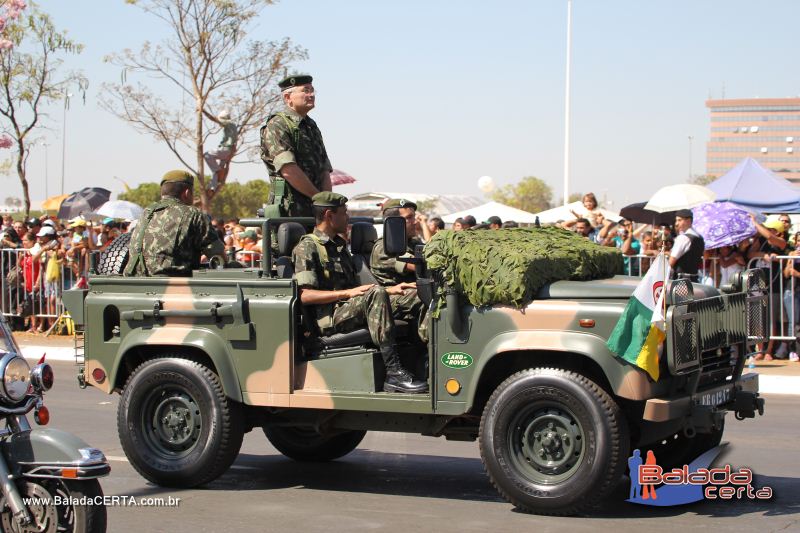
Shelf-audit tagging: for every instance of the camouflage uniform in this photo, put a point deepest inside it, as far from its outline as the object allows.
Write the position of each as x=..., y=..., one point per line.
x=169, y=239
x=390, y=271
x=373, y=309
x=289, y=138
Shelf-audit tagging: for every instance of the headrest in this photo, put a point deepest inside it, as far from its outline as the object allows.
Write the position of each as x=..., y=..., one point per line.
x=289, y=234
x=362, y=238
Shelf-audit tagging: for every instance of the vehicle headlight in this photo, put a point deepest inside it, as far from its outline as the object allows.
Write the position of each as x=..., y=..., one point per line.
x=15, y=372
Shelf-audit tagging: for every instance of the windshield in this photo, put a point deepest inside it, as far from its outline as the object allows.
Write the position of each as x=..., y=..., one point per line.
x=7, y=341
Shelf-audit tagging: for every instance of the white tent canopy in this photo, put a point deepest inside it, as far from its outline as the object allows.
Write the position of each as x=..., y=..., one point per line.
x=564, y=212
x=483, y=212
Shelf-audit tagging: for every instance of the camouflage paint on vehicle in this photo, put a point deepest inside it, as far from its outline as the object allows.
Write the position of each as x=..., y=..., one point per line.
x=245, y=324
x=262, y=367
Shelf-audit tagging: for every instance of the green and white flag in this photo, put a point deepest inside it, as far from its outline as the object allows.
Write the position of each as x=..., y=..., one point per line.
x=640, y=329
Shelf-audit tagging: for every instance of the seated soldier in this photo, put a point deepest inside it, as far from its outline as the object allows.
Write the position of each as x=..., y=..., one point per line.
x=326, y=276
x=391, y=270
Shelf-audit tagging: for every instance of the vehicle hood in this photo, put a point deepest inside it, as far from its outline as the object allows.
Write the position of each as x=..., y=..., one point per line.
x=615, y=288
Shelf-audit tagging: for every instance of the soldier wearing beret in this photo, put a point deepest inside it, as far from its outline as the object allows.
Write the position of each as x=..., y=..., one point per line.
x=389, y=270
x=292, y=149
x=326, y=275
x=171, y=233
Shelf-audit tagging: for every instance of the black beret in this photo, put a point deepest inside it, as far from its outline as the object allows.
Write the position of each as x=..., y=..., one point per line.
x=684, y=213
x=398, y=202
x=329, y=199
x=178, y=175
x=294, y=81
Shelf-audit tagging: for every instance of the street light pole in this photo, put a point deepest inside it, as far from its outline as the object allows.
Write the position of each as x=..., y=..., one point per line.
x=64, y=140
x=566, y=104
x=46, y=190
x=690, y=158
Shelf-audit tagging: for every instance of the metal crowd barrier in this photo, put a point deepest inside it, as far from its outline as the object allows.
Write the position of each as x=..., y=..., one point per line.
x=637, y=265
x=44, y=302
x=784, y=295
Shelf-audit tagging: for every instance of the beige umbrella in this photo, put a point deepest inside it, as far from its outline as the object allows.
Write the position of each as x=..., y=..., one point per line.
x=683, y=196
x=53, y=203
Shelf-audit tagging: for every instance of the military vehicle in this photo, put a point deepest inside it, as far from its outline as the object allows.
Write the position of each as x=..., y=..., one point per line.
x=201, y=360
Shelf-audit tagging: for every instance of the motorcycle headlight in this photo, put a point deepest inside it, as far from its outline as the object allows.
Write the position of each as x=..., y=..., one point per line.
x=15, y=372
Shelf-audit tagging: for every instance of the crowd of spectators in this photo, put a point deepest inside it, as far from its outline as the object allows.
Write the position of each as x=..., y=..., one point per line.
x=41, y=257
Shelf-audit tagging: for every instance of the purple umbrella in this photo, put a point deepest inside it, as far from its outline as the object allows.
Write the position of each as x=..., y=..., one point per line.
x=722, y=224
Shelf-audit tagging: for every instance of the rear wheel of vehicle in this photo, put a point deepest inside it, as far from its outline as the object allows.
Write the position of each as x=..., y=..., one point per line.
x=88, y=517
x=678, y=449
x=553, y=442
x=303, y=444
x=176, y=425
x=114, y=258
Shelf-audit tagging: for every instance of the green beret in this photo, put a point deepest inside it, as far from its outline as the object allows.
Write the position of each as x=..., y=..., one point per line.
x=294, y=81
x=178, y=175
x=398, y=202
x=329, y=199
x=250, y=234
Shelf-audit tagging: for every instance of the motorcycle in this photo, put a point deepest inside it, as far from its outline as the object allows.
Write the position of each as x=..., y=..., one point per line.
x=48, y=477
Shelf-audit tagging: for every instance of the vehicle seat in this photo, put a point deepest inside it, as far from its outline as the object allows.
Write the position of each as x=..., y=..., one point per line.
x=362, y=239
x=289, y=234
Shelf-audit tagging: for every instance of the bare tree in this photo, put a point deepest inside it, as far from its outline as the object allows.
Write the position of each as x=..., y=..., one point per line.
x=210, y=66
x=28, y=80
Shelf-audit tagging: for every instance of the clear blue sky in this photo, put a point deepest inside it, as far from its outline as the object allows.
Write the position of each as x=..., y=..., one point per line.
x=430, y=95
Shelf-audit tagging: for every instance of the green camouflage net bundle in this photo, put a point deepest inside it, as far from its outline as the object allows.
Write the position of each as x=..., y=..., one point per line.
x=510, y=266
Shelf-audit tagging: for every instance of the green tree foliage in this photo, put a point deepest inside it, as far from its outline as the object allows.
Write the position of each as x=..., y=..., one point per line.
x=530, y=194
x=144, y=195
x=236, y=200
x=240, y=200
x=29, y=79
x=702, y=179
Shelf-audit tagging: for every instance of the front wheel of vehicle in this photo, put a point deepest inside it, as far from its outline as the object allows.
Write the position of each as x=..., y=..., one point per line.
x=176, y=425
x=81, y=508
x=553, y=442
x=303, y=444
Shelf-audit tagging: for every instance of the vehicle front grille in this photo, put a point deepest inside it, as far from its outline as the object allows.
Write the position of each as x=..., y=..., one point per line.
x=706, y=329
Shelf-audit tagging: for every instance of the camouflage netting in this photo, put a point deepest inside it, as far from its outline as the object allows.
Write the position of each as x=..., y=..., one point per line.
x=510, y=266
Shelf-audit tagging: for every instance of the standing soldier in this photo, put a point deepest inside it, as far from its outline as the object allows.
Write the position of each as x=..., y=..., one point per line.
x=390, y=270
x=172, y=233
x=326, y=275
x=292, y=149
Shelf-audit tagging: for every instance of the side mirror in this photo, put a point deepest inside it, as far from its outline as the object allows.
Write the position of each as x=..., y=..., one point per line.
x=394, y=236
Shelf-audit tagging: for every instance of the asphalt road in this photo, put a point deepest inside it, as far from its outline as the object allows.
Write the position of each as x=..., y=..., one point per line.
x=412, y=483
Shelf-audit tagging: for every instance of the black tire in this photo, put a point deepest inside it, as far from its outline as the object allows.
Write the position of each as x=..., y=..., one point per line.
x=176, y=425
x=308, y=445
x=114, y=258
x=553, y=442
x=678, y=449
x=87, y=518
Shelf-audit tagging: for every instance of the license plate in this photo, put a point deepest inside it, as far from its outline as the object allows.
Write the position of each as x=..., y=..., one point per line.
x=714, y=397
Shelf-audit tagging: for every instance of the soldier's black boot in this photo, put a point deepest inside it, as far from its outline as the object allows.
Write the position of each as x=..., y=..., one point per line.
x=398, y=379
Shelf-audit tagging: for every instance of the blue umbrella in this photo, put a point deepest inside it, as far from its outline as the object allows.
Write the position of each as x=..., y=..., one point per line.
x=722, y=224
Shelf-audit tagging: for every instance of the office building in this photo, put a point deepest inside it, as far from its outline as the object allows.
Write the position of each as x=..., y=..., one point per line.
x=766, y=129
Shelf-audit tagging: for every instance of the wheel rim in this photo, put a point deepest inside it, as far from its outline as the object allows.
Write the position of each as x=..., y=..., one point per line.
x=547, y=443
x=44, y=517
x=171, y=421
